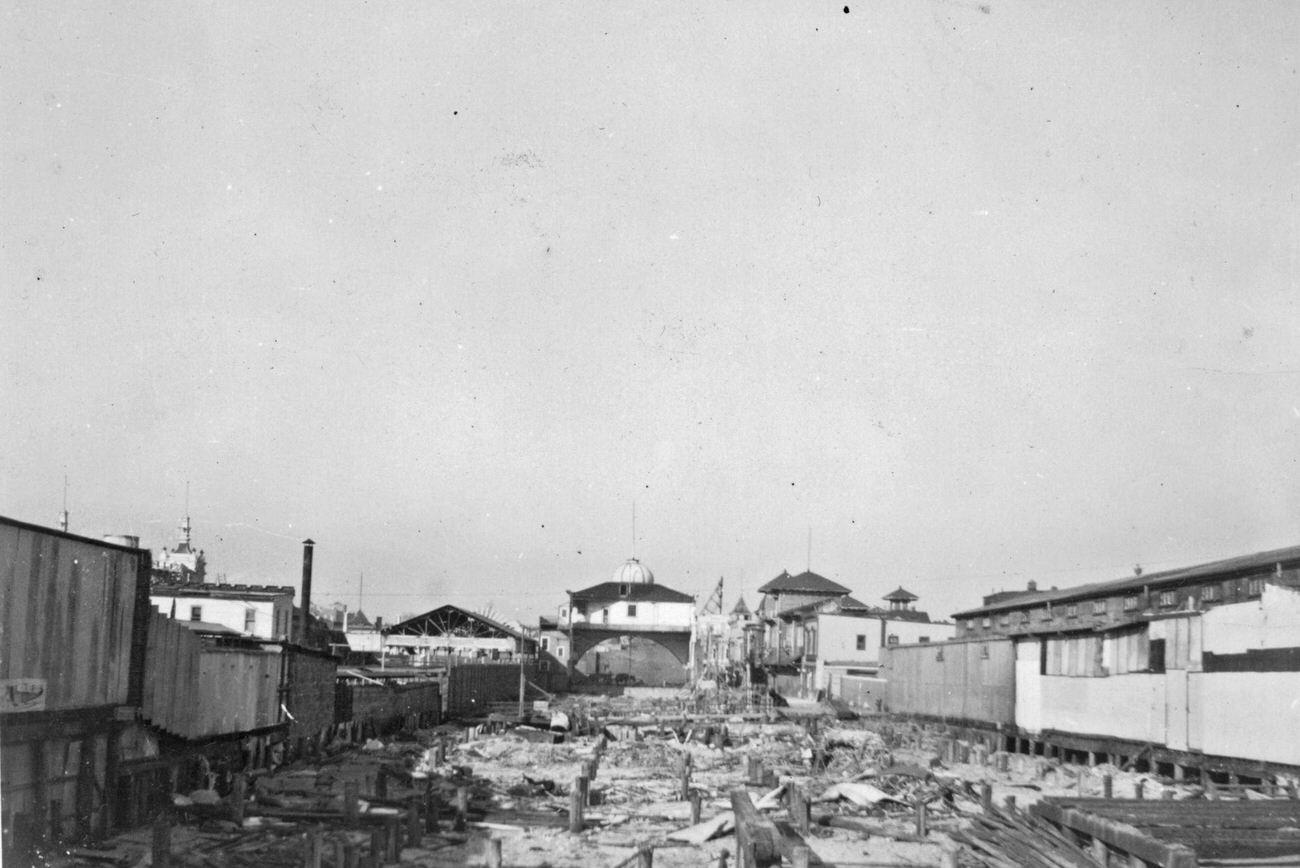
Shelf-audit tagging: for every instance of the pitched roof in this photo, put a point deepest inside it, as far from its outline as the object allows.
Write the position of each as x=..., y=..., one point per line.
x=901, y=594
x=806, y=582
x=636, y=592
x=1290, y=557
x=740, y=608
x=452, y=620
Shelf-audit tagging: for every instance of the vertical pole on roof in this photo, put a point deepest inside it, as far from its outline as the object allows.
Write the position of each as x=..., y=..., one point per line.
x=523, y=682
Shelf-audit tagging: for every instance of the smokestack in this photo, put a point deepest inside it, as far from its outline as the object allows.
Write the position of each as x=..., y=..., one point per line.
x=1033, y=586
x=307, y=546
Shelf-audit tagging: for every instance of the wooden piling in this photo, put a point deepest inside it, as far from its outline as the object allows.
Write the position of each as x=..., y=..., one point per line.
x=492, y=853
x=162, y=843
x=645, y=856
x=462, y=809
x=695, y=807
x=921, y=830
x=351, y=807
x=575, y=807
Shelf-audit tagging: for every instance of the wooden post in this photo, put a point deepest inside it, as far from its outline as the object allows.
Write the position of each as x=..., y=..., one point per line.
x=756, y=835
x=430, y=810
x=802, y=810
x=645, y=856
x=584, y=786
x=799, y=857
x=921, y=830
x=311, y=850
x=492, y=853
x=462, y=809
x=350, y=857
x=414, y=830
x=381, y=783
x=351, y=809
x=376, y=856
x=753, y=770
x=1138, y=788
x=238, y=795
x=575, y=807
x=1107, y=786
x=685, y=792
x=695, y=807
x=1010, y=803
x=393, y=838
x=986, y=797
x=162, y=843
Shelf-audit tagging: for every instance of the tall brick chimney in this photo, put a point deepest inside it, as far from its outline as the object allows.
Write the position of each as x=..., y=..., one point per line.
x=307, y=547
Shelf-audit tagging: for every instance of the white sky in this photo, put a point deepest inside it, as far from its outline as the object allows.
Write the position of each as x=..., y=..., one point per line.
x=976, y=294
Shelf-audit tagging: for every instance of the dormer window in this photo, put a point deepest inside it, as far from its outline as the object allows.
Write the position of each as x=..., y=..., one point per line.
x=624, y=589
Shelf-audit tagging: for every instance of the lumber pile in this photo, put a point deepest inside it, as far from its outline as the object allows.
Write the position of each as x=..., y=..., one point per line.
x=1006, y=839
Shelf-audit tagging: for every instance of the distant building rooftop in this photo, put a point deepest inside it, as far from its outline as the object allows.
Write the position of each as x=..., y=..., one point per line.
x=806, y=582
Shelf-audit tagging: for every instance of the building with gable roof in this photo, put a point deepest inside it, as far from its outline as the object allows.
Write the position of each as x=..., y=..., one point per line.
x=632, y=605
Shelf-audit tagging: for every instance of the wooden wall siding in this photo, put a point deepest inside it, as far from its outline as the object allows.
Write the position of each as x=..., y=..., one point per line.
x=975, y=680
x=238, y=690
x=379, y=703
x=195, y=692
x=311, y=695
x=472, y=687
x=66, y=611
x=171, y=682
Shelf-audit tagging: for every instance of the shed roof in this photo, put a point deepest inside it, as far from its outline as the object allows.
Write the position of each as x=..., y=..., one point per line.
x=806, y=582
x=1253, y=563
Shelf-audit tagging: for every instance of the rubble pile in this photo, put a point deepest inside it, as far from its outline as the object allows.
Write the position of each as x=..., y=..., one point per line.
x=596, y=781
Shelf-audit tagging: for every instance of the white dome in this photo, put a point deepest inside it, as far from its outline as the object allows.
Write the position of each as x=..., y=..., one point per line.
x=634, y=572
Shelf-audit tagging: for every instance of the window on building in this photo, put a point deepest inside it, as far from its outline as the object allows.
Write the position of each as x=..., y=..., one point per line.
x=1005, y=620
x=564, y=614
x=1254, y=587
x=1045, y=613
x=1098, y=607
x=546, y=643
x=987, y=622
x=250, y=620
x=892, y=639
x=1168, y=598
x=1024, y=617
x=196, y=613
x=560, y=651
x=631, y=610
x=624, y=589
x=1072, y=610
x=1130, y=604
x=862, y=642
x=923, y=640
x=1209, y=593
x=604, y=615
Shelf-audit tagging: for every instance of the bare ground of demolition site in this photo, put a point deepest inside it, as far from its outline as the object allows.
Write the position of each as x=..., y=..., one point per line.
x=654, y=779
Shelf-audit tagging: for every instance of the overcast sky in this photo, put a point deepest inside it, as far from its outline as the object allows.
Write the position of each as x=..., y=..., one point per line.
x=970, y=293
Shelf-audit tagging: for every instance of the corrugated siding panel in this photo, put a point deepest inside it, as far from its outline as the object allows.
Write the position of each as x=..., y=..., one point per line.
x=66, y=616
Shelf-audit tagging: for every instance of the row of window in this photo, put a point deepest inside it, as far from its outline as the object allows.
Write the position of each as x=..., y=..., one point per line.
x=1165, y=600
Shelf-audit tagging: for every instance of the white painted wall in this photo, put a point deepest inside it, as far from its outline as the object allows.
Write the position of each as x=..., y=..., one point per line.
x=1253, y=715
x=1029, y=685
x=1272, y=621
x=231, y=612
x=837, y=640
x=648, y=615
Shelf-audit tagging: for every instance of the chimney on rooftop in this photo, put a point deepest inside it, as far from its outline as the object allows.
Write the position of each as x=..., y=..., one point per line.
x=307, y=547
x=1033, y=586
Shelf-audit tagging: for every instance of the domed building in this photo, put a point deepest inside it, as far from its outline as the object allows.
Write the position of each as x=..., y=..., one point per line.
x=626, y=622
